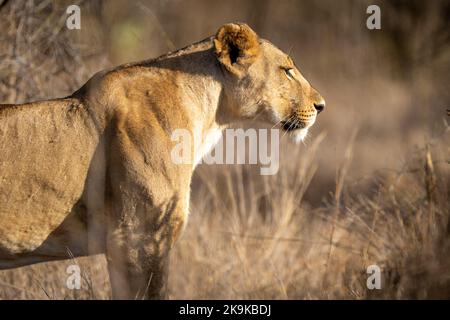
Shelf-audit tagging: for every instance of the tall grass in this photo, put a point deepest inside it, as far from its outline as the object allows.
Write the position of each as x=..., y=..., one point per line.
x=253, y=237
x=261, y=241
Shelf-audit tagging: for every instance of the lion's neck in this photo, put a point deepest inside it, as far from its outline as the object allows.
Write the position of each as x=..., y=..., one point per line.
x=203, y=100
x=204, y=104
x=201, y=83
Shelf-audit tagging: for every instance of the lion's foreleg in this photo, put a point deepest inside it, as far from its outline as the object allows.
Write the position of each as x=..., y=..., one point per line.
x=135, y=274
x=138, y=244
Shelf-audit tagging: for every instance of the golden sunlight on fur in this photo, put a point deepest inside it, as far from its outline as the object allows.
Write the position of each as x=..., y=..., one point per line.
x=97, y=175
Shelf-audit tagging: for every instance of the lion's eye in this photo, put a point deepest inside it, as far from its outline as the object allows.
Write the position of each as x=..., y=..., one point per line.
x=290, y=72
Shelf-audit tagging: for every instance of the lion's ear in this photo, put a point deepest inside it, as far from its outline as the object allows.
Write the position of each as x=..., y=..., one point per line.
x=237, y=47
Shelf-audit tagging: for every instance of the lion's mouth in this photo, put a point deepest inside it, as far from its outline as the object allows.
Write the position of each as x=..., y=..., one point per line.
x=292, y=125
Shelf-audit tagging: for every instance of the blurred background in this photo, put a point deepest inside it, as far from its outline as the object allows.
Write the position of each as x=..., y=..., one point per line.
x=369, y=185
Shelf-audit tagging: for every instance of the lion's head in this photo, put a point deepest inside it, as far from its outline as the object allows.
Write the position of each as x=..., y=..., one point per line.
x=264, y=83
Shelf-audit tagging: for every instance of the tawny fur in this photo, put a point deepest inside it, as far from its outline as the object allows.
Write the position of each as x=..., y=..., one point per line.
x=92, y=173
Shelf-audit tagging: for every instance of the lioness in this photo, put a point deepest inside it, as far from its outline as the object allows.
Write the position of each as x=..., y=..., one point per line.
x=92, y=173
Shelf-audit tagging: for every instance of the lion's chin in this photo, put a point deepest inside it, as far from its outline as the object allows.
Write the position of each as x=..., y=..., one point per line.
x=298, y=135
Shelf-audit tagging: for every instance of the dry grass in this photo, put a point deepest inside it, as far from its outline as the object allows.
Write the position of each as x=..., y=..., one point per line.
x=253, y=237
x=370, y=186
x=260, y=241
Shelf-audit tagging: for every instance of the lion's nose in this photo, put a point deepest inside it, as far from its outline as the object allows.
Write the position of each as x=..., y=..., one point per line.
x=319, y=106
